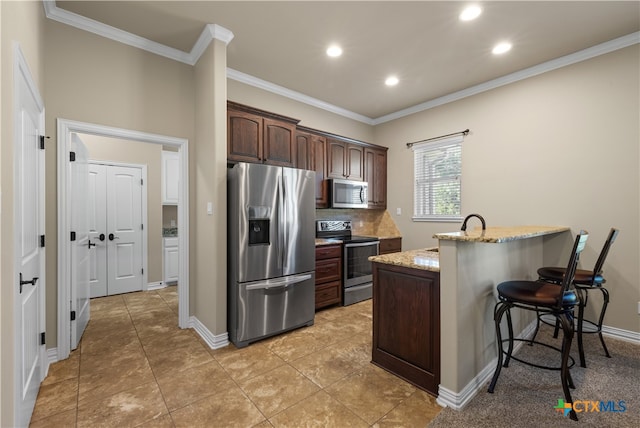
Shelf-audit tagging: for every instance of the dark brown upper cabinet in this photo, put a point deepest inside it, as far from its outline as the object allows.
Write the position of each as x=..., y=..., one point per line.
x=375, y=173
x=261, y=137
x=345, y=160
x=315, y=147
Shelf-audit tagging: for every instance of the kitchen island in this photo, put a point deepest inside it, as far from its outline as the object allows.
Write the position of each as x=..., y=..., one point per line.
x=433, y=310
x=406, y=316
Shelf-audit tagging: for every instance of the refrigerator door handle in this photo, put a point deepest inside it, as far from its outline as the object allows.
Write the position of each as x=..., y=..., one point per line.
x=285, y=224
x=278, y=283
x=281, y=225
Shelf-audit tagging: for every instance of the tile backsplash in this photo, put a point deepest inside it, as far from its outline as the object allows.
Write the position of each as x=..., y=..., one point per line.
x=365, y=222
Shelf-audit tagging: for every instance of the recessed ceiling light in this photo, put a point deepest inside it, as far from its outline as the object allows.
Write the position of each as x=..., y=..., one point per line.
x=334, y=51
x=501, y=48
x=391, y=81
x=470, y=13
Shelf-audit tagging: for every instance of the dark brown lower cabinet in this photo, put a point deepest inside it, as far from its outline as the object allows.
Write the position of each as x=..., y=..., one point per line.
x=328, y=275
x=406, y=324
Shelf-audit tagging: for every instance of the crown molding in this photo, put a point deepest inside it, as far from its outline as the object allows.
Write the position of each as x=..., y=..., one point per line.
x=214, y=31
x=296, y=96
x=209, y=33
x=585, y=54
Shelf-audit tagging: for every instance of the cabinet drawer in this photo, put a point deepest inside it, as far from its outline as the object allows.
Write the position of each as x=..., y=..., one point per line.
x=328, y=252
x=391, y=245
x=328, y=270
x=328, y=294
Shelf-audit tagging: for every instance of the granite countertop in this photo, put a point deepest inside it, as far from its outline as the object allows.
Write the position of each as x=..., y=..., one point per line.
x=169, y=232
x=424, y=258
x=321, y=241
x=500, y=234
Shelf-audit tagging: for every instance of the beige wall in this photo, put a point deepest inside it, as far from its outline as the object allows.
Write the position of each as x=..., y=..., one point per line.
x=561, y=148
x=21, y=22
x=209, y=165
x=134, y=152
x=95, y=80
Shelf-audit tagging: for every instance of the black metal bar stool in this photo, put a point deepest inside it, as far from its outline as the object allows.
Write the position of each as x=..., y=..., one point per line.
x=541, y=297
x=584, y=281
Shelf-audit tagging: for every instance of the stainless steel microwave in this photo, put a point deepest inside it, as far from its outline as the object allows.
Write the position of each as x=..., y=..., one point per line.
x=348, y=193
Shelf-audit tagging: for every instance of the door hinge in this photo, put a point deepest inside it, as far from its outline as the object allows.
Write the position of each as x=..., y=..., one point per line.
x=72, y=156
x=142, y=227
x=42, y=241
x=142, y=271
x=73, y=315
x=142, y=182
x=73, y=236
x=42, y=137
x=43, y=340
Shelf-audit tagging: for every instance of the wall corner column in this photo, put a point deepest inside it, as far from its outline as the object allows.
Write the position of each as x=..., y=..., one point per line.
x=208, y=297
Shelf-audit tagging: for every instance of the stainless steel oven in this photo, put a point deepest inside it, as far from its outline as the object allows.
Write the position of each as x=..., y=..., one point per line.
x=357, y=275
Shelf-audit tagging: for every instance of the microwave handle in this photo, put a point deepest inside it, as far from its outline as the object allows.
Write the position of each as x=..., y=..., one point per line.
x=361, y=194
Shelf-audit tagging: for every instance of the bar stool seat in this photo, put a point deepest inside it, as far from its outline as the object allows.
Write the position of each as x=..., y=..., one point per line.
x=584, y=281
x=546, y=298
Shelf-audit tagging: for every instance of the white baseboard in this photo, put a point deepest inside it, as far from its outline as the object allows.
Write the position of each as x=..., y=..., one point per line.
x=156, y=285
x=214, y=341
x=52, y=355
x=457, y=400
x=618, y=333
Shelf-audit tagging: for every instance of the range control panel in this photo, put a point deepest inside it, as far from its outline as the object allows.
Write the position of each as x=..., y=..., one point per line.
x=333, y=225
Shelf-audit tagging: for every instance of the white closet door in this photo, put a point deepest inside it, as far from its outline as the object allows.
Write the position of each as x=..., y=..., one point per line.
x=124, y=229
x=98, y=229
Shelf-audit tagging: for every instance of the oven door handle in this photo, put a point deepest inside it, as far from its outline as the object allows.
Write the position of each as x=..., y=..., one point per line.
x=362, y=244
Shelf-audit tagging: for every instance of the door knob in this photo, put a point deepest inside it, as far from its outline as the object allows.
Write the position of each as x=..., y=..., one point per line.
x=112, y=237
x=101, y=237
x=91, y=244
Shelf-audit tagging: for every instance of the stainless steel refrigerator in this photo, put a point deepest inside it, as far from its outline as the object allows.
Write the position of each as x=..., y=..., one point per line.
x=271, y=258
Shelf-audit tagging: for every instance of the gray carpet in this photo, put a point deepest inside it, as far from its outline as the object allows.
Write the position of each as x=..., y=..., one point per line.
x=525, y=396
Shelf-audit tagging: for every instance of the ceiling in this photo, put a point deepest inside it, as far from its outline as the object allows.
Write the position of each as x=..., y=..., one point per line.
x=422, y=42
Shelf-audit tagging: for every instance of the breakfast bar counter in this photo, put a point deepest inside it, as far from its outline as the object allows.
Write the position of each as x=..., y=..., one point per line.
x=433, y=307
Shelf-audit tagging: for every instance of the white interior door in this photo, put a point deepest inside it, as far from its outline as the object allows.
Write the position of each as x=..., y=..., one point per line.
x=124, y=229
x=29, y=255
x=98, y=229
x=80, y=248
x=115, y=226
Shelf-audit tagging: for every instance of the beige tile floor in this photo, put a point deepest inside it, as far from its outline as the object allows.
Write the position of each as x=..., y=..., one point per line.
x=135, y=367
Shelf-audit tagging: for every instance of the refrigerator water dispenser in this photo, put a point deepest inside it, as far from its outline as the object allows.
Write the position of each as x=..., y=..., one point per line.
x=259, y=232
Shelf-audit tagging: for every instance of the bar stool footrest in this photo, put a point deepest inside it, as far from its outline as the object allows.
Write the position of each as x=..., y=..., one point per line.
x=572, y=362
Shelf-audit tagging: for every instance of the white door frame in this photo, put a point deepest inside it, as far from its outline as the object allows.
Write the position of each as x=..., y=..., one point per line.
x=65, y=128
x=21, y=71
x=145, y=230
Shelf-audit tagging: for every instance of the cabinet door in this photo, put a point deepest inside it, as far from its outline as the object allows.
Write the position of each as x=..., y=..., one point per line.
x=278, y=145
x=336, y=159
x=170, y=177
x=375, y=173
x=303, y=150
x=319, y=165
x=171, y=261
x=355, y=162
x=345, y=160
x=244, y=136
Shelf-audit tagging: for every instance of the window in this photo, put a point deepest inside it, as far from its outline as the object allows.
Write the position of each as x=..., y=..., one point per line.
x=437, y=186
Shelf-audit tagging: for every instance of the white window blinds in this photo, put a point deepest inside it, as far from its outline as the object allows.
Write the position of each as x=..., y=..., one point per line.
x=437, y=186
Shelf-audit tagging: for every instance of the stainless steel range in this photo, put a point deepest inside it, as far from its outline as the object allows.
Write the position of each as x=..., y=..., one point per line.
x=357, y=276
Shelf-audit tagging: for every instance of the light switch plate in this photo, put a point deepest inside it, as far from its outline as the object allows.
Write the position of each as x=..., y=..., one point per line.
x=398, y=211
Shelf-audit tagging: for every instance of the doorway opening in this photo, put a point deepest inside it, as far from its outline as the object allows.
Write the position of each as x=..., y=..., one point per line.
x=65, y=129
